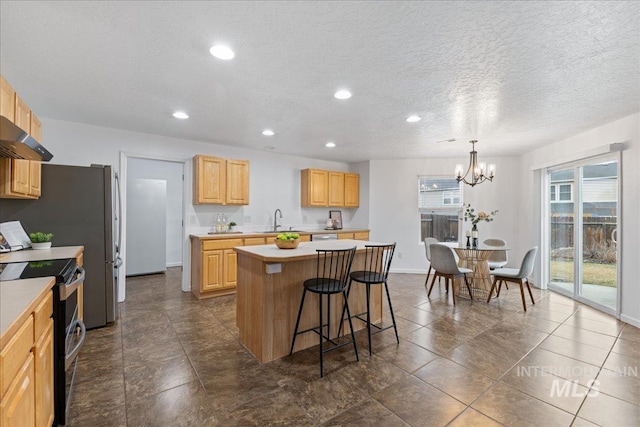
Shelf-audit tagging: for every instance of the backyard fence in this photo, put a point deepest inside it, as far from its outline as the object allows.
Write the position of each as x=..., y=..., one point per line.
x=441, y=226
x=597, y=241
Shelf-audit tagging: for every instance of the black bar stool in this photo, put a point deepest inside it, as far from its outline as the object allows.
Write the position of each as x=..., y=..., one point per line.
x=377, y=262
x=332, y=269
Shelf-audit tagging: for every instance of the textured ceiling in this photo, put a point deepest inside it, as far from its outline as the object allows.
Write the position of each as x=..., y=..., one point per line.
x=515, y=75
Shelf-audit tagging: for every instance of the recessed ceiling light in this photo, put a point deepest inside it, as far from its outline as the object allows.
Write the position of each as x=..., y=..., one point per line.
x=342, y=94
x=330, y=144
x=222, y=52
x=268, y=132
x=413, y=119
x=180, y=115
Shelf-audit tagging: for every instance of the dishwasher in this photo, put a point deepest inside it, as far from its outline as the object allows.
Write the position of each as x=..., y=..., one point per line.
x=322, y=237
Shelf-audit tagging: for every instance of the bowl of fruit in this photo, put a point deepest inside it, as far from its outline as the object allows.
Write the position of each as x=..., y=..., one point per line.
x=287, y=240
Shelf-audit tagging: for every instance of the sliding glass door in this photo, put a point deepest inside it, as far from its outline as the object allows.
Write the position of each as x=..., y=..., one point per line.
x=583, y=223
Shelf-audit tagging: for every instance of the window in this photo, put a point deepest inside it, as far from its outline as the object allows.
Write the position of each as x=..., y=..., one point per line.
x=561, y=193
x=439, y=205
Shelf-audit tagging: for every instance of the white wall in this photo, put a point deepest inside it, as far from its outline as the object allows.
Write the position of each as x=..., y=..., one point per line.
x=274, y=177
x=393, y=206
x=171, y=172
x=627, y=131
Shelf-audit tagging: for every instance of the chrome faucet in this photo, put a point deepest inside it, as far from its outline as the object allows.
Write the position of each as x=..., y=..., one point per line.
x=275, y=219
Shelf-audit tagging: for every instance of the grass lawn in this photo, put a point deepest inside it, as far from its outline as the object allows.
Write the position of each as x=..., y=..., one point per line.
x=593, y=273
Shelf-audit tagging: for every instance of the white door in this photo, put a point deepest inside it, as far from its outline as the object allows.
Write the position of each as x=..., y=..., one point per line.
x=146, y=226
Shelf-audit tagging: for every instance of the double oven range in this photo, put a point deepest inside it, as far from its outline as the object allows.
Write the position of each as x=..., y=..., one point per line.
x=68, y=330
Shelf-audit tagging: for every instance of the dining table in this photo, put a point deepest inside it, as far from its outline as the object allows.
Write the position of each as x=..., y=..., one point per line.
x=475, y=258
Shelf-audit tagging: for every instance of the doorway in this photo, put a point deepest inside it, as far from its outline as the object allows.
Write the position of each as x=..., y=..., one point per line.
x=583, y=232
x=154, y=209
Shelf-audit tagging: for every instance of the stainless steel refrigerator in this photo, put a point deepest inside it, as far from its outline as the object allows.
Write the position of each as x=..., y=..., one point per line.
x=76, y=206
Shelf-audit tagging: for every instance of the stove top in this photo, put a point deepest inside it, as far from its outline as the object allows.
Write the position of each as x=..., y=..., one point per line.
x=62, y=269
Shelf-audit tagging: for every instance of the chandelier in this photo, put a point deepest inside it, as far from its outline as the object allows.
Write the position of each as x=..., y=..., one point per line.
x=478, y=171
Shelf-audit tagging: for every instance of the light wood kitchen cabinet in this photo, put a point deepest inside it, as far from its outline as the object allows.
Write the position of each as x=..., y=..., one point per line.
x=220, y=181
x=360, y=235
x=20, y=179
x=351, y=190
x=214, y=268
x=314, y=188
x=336, y=189
x=35, y=129
x=323, y=188
x=7, y=100
x=26, y=364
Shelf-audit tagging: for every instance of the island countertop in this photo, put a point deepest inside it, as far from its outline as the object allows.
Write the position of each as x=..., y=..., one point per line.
x=304, y=251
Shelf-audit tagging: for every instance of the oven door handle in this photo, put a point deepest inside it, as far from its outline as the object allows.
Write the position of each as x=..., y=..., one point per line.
x=68, y=289
x=69, y=357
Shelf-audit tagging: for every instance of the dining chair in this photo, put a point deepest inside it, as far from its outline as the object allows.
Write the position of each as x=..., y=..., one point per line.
x=377, y=262
x=332, y=270
x=514, y=275
x=444, y=264
x=498, y=258
x=427, y=245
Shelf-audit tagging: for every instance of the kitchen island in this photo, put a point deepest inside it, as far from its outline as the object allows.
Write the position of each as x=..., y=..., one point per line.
x=269, y=290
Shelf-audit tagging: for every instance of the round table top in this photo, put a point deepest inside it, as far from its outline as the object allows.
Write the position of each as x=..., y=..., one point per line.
x=481, y=247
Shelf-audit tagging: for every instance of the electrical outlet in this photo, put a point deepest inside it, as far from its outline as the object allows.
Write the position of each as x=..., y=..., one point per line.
x=247, y=219
x=399, y=255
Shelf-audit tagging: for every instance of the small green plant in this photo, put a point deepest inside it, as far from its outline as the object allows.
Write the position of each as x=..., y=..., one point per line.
x=232, y=224
x=40, y=237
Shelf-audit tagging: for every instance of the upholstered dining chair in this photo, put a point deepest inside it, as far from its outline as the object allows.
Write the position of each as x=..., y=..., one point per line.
x=444, y=264
x=498, y=258
x=514, y=275
x=427, y=245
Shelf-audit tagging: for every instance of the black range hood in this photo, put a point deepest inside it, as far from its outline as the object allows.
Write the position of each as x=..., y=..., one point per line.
x=18, y=144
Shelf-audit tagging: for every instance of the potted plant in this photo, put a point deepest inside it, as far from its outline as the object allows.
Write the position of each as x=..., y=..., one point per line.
x=40, y=240
x=231, y=225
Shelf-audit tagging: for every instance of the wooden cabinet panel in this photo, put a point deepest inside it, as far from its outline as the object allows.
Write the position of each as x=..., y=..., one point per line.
x=18, y=406
x=230, y=268
x=345, y=236
x=336, y=189
x=44, y=377
x=351, y=190
x=7, y=100
x=314, y=188
x=35, y=178
x=362, y=235
x=209, y=174
x=23, y=115
x=35, y=129
x=252, y=241
x=19, y=179
x=12, y=355
x=212, y=264
x=237, y=182
x=320, y=188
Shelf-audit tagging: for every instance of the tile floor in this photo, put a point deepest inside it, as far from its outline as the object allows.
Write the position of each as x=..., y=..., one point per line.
x=171, y=360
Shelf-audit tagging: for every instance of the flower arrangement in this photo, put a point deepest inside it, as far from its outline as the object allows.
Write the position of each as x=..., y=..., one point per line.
x=475, y=218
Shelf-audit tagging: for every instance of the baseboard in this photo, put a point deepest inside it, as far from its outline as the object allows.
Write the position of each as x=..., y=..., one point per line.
x=630, y=320
x=174, y=264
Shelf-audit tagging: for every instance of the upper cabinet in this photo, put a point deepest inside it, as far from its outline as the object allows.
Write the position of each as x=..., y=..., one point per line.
x=19, y=179
x=322, y=188
x=220, y=181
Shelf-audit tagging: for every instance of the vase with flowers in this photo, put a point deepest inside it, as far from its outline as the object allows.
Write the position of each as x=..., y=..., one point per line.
x=471, y=215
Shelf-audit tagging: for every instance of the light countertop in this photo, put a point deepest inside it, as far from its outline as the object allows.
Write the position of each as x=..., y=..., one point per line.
x=28, y=255
x=18, y=298
x=305, y=250
x=242, y=234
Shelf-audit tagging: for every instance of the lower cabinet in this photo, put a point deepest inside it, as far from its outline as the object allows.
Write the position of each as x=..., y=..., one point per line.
x=27, y=371
x=360, y=235
x=214, y=272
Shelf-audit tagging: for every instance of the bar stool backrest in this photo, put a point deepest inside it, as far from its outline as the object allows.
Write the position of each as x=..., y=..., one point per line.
x=333, y=267
x=377, y=262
